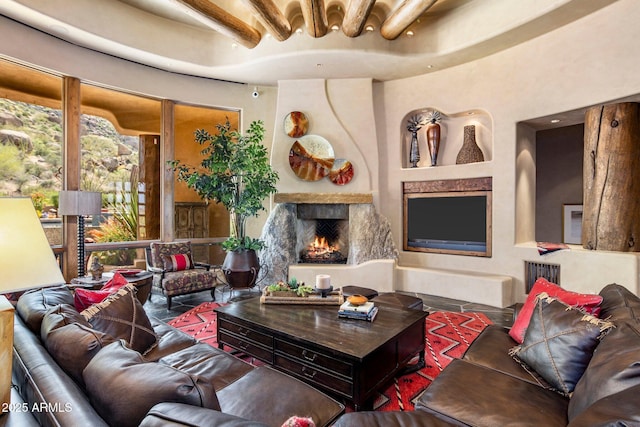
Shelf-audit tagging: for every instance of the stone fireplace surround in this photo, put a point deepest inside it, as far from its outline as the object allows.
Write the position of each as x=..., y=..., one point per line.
x=291, y=222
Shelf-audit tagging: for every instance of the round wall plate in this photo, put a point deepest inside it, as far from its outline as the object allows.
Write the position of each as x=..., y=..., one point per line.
x=311, y=157
x=296, y=124
x=342, y=172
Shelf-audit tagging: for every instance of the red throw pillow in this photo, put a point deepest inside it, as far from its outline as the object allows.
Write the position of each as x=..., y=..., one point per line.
x=115, y=283
x=177, y=262
x=588, y=302
x=84, y=298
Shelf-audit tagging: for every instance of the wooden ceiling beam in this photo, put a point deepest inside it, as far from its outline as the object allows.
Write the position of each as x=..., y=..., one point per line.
x=403, y=16
x=315, y=17
x=224, y=23
x=356, y=16
x=272, y=18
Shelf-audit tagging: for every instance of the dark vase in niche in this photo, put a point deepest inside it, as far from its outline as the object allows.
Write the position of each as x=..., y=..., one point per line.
x=433, y=135
x=470, y=152
x=414, y=124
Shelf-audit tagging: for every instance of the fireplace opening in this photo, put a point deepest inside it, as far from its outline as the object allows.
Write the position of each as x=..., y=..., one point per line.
x=325, y=247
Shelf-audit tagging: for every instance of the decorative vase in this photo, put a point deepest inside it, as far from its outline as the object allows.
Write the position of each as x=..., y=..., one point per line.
x=241, y=268
x=414, y=124
x=414, y=152
x=470, y=152
x=433, y=135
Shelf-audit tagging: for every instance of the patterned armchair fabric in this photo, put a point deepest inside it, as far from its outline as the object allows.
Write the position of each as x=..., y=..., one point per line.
x=172, y=283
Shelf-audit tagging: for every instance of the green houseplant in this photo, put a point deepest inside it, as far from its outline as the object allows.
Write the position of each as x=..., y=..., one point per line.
x=236, y=173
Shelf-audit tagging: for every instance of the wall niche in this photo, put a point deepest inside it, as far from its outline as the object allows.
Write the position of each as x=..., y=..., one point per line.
x=451, y=135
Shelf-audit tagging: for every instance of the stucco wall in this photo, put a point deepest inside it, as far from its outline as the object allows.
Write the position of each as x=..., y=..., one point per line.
x=593, y=60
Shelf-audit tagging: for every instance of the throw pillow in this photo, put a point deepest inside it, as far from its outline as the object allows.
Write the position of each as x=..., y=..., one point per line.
x=33, y=304
x=84, y=298
x=59, y=316
x=559, y=342
x=73, y=346
x=121, y=315
x=115, y=283
x=177, y=262
x=123, y=387
x=590, y=303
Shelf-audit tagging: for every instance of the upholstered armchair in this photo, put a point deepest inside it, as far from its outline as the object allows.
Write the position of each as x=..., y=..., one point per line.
x=175, y=272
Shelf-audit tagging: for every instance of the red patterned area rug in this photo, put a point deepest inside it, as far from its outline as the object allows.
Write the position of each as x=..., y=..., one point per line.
x=448, y=335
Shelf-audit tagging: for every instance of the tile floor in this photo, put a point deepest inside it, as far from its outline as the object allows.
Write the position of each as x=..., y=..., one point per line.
x=157, y=307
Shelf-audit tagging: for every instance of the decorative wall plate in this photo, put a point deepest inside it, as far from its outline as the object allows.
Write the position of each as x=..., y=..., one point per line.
x=311, y=157
x=296, y=124
x=342, y=172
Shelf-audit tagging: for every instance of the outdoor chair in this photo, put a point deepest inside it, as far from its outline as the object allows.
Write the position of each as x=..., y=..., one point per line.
x=175, y=272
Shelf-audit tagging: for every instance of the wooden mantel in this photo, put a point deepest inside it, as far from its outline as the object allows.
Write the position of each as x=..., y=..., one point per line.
x=328, y=198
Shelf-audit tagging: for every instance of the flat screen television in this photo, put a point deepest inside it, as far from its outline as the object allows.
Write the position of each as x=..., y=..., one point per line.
x=457, y=222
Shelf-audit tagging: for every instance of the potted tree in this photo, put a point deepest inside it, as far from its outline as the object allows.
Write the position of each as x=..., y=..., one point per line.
x=235, y=172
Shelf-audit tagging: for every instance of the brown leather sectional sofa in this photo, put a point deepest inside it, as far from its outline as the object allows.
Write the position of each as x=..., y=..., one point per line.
x=487, y=387
x=80, y=375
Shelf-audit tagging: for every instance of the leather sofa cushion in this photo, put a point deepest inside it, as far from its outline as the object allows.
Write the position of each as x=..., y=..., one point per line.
x=470, y=394
x=70, y=340
x=614, y=367
x=616, y=410
x=211, y=364
x=491, y=349
x=123, y=387
x=121, y=315
x=177, y=414
x=245, y=398
x=620, y=304
x=33, y=304
x=559, y=342
x=170, y=340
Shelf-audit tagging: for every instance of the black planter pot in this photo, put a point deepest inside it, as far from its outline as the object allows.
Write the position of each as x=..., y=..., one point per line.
x=241, y=268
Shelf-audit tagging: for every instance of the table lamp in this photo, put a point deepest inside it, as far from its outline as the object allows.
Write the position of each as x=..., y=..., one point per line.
x=79, y=203
x=26, y=262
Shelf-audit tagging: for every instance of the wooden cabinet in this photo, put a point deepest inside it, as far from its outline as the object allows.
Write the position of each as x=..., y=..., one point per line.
x=192, y=222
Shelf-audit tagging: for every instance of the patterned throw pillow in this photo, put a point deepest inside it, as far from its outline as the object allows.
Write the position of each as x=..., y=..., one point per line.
x=559, y=342
x=177, y=262
x=121, y=315
x=588, y=302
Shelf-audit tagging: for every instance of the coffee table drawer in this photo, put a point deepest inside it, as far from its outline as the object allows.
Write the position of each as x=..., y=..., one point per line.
x=255, y=350
x=314, y=358
x=314, y=376
x=244, y=332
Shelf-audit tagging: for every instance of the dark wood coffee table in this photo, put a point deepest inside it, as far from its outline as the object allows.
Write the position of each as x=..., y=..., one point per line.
x=348, y=358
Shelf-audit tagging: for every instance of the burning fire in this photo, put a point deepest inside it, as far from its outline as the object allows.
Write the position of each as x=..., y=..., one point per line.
x=320, y=246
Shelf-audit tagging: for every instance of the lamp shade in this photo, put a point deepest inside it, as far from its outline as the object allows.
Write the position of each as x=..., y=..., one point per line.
x=26, y=258
x=79, y=203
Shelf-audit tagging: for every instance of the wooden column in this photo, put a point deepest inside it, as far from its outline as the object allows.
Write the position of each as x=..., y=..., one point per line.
x=611, y=211
x=71, y=103
x=150, y=176
x=167, y=179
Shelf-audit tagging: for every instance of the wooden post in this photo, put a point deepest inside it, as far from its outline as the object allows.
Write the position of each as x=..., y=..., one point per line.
x=611, y=211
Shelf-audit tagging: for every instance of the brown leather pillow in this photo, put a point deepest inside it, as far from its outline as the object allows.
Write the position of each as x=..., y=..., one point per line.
x=33, y=304
x=121, y=315
x=59, y=316
x=559, y=342
x=73, y=346
x=123, y=387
